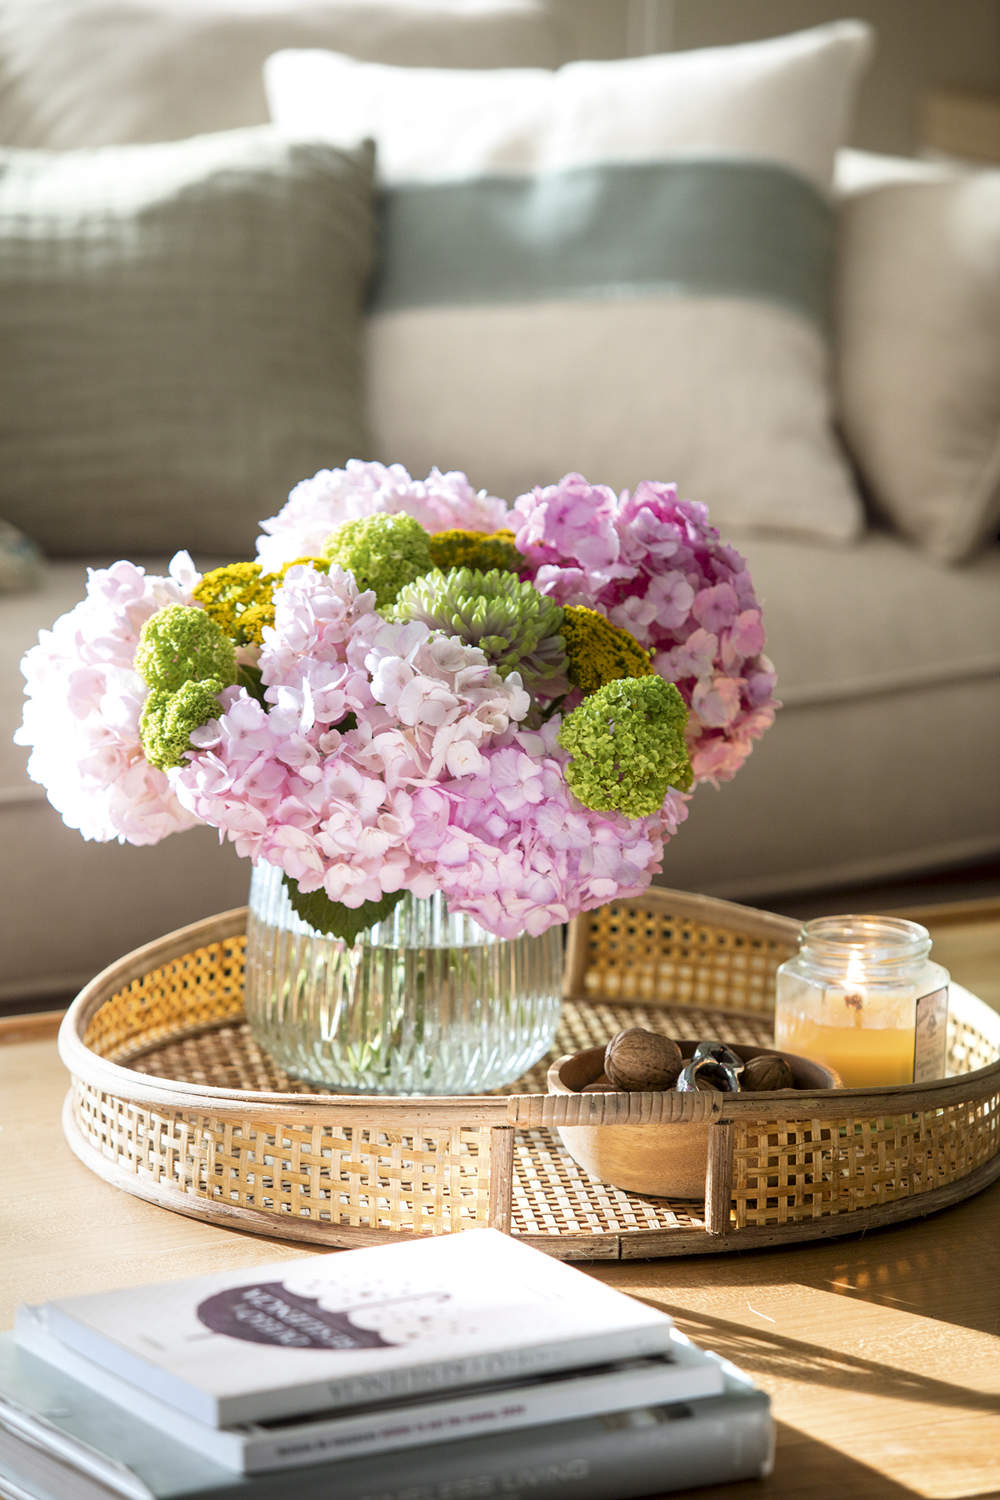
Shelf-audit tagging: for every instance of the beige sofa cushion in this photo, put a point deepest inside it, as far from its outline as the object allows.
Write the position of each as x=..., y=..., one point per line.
x=918, y=348
x=619, y=268
x=105, y=72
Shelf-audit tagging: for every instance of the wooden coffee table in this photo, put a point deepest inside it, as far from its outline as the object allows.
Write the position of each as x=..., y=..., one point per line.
x=966, y=936
x=881, y=1352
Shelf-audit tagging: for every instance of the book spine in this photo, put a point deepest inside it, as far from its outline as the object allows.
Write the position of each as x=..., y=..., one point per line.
x=513, y=1407
x=715, y=1440
x=298, y=1400
x=439, y=1376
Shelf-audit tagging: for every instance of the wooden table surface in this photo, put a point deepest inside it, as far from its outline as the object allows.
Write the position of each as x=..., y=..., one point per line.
x=881, y=1352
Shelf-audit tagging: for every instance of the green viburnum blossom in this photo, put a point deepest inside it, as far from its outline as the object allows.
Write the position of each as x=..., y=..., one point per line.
x=383, y=552
x=476, y=549
x=600, y=652
x=627, y=746
x=169, y=718
x=182, y=644
x=517, y=628
x=187, y=659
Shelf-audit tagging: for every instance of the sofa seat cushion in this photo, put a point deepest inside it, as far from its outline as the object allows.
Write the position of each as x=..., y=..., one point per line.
x=71, y=907
x=883, y=759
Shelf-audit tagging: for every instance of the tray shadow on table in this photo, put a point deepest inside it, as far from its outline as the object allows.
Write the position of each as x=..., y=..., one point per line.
x=798, y=1454
x=769, y=1356
x=897, y=1267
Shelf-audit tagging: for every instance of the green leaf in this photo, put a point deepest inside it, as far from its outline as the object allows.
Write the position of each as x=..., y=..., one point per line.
x=333, y=917
x=250, y=678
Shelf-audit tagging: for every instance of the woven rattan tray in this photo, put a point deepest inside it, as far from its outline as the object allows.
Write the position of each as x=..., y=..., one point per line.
x=172, y=1100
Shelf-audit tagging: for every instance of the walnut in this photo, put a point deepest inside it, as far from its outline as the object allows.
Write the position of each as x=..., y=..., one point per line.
x=764, y=1073
x=601, y=1085
x=637, y=1059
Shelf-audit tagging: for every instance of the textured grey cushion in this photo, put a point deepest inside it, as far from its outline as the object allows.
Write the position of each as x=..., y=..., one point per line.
x=179, y=336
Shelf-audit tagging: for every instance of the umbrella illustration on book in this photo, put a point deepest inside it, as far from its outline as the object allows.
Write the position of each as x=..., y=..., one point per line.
x=268, y=1312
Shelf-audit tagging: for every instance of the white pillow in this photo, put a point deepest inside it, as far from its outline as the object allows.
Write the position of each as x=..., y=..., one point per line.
x=118, y=72
x=918, y=349
x=620, y=268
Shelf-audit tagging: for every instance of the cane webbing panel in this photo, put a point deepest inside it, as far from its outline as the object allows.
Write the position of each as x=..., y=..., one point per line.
x=193, y=990
x=352, y=1175
x=635, y=951
x=790, y=1174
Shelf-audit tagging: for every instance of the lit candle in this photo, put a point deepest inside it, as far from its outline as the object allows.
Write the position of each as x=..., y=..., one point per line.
x=862, y=996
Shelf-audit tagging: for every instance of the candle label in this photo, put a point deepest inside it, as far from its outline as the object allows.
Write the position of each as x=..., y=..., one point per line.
x=930, y=1038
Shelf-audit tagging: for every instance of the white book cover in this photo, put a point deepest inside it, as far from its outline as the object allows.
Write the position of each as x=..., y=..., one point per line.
x=355, y=1326
x=683, y=1372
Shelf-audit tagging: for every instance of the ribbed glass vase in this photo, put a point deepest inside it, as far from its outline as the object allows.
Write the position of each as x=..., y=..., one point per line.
x=425, y=1002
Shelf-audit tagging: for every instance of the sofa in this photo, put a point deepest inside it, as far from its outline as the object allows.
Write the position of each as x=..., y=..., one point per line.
x=348, y=187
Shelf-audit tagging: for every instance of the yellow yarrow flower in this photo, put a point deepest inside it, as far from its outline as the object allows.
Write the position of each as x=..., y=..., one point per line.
x=599, y=652
x=240, y=597
x=483, y=551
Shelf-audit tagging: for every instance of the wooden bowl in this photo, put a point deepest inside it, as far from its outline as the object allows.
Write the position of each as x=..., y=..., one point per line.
x=663, y=1159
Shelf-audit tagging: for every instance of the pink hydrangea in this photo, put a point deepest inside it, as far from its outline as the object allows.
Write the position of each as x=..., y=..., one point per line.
x=333, y=808
x=381, y=755
x=317, y=506
x=662, y=573
x=321, y=818
x=84, y=703
x=514, y=849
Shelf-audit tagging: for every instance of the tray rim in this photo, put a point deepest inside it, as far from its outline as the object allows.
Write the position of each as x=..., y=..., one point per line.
x=521, y=1109
x=617, y=1244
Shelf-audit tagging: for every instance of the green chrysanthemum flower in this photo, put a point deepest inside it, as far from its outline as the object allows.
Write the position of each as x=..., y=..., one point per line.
x=169, y=718
x=476, y=549
x=182, y=644
x=627, y=746
x=600, y=652
x=516, y=627
x=383, y=552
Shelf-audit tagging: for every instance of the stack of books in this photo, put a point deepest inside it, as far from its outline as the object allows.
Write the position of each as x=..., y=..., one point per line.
x=449, y=1368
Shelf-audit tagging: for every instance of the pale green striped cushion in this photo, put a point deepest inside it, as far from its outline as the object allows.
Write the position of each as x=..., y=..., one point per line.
x=618, y=267
x=711, y=226
x=180, y=334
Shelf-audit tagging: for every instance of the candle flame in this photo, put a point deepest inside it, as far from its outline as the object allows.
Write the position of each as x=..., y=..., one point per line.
x=855, y=977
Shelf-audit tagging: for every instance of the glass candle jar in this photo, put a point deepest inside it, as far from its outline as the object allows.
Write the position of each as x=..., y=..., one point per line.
x=862, y=996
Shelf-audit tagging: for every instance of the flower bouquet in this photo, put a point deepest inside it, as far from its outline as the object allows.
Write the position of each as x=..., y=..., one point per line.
x=415, y=688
